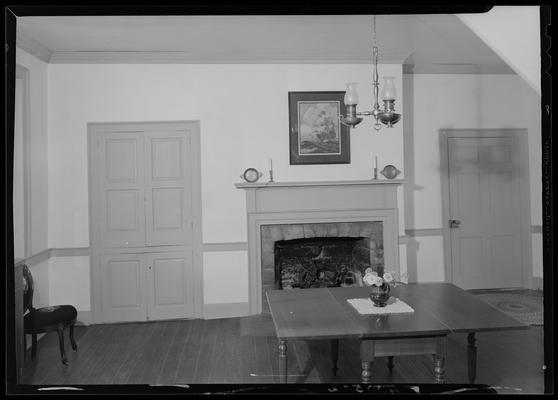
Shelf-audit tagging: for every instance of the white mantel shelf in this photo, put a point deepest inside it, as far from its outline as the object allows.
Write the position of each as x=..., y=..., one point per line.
x=258, y=185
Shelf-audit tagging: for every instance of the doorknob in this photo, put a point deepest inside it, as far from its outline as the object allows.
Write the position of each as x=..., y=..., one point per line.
x=454, y=223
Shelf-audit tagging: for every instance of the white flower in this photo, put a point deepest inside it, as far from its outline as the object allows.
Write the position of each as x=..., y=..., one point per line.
x=378, y=281
x=369, y=270
x=388, y=277
x=369, y=279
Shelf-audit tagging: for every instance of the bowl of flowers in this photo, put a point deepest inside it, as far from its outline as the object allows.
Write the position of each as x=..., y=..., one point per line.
x=379, y=286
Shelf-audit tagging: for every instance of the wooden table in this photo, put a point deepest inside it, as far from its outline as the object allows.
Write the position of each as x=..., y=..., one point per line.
x=440, y=309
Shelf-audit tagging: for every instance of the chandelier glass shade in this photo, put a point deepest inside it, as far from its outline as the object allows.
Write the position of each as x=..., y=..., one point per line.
x=386, y=115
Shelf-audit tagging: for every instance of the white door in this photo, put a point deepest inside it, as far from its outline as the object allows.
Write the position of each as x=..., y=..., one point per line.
x=143, y=222
x=485, y=212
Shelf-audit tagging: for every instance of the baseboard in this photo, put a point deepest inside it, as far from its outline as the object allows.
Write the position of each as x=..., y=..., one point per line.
x=537, y=283
x=226, y=310
x=84, y=318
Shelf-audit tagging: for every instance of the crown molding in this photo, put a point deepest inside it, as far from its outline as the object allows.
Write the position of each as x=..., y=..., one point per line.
x=155, y=57
x=456, y=69
x=179, y=57
x=32, y=47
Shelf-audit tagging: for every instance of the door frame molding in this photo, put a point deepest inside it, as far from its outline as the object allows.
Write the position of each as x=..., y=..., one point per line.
x=524, y=188
x=24, y=74
x=193, y=126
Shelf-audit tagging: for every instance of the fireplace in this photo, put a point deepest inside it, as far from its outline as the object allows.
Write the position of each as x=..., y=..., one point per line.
x=298, y=256
x=320, y=262
x=343, y=225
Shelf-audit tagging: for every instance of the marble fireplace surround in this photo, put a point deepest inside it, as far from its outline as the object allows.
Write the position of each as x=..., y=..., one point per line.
x=335, y=203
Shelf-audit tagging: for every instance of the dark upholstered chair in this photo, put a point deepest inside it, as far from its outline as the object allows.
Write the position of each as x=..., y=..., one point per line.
x=46, y=319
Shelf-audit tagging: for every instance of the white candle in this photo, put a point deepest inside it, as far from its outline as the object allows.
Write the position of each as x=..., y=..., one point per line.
x=271, y=164
x=376, y=162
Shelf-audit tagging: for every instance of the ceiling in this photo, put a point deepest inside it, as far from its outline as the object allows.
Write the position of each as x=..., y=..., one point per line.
x=429, y=43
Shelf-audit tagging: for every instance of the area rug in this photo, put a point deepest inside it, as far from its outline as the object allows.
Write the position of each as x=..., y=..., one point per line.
x=525, y=305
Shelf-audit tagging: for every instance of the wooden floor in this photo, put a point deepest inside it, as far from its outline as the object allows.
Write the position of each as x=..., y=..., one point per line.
x=219, y=351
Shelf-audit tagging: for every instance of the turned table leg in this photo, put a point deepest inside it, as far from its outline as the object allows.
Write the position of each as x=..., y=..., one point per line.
x=440, y=359
x=334, y=354
x=283, y=360
x=366, y=371
x=367, y=350
x=472, y=357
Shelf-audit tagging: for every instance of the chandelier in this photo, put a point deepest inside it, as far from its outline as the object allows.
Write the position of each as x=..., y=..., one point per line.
x=387, y=115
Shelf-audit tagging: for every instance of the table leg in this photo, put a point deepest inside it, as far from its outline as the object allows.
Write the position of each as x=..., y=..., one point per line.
x=366, y=371
x=472, y=357
x=439, y=370
x=283, y=360
x=367, y=355
x=440, y=359
x=334, y=354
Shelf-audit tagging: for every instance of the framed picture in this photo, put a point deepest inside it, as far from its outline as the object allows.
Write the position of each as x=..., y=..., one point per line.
x=316, y=135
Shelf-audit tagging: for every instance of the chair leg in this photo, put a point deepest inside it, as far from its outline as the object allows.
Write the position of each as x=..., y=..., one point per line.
x=60, y=330
x=33, y=345
x=72, y=340
x=24, y=347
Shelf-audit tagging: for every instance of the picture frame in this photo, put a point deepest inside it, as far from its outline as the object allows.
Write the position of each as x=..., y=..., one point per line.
x=316, y=136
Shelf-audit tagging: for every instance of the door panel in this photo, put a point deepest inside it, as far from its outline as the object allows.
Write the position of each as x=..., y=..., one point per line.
x=121, y=189
x=168, y=202
x=484, y=197
x=167, y=211
x=170, y=285
x=123, y=287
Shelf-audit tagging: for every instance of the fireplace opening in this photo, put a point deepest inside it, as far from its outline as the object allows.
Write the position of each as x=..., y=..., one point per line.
x=329, y=254
x=321, y=262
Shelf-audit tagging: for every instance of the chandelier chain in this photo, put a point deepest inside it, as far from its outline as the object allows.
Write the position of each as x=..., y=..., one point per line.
x=374, y=30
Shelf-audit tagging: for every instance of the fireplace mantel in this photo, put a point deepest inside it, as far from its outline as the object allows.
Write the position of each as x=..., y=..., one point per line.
x=317, y=202
x=259, y=185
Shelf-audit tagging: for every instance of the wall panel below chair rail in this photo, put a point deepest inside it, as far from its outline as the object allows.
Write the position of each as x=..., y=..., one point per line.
x=62, y=274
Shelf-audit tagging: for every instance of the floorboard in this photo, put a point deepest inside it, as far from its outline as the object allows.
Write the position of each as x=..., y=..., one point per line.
x=221, y=351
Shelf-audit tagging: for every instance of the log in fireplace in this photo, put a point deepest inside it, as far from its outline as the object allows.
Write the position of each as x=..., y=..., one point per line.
x=323, y=262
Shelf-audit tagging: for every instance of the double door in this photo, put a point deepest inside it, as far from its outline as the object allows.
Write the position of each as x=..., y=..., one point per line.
x=142, y=221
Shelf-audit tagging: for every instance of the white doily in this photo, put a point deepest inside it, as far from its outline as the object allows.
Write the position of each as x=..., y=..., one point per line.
x=393, y=306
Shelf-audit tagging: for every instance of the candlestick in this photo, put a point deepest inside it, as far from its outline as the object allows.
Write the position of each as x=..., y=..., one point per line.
x=270, y=170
